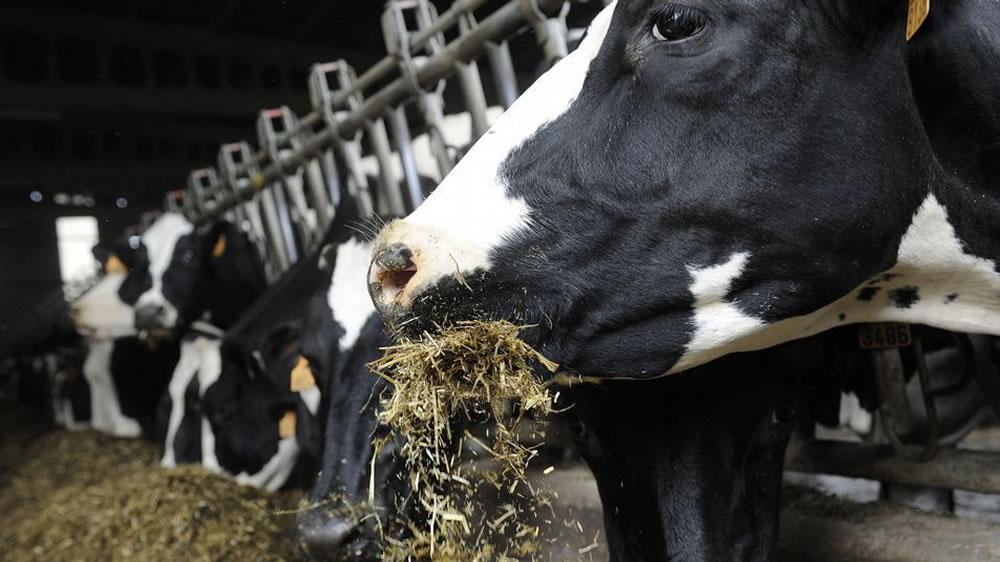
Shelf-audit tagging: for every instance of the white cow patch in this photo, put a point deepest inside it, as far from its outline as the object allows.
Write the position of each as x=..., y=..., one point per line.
x=199, y=357
x=100, y=314
x=105, y=410
x=275, y=473
x=311, y=398
x=955, y=290
x=470, y=212
x=348, y=295
x=852, y=415
x=160, y=240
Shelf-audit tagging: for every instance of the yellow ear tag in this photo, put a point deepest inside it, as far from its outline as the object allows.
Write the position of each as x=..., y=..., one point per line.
x=302, y=376
x=114, y=265
x=286, y=425
x=916, y=16
x=220, y=246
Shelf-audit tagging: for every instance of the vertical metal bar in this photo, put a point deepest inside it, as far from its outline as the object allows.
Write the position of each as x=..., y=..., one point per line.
x=295, y=189
x=401, y=136
x=390, y=199
x=472, y=86
x=504, y=76
x=475, y=99
x=284, y=222
x=328, y=164
x=551, y=34
x=320, y=194
x=274, y=231
x=432, y=107
x=357, y=180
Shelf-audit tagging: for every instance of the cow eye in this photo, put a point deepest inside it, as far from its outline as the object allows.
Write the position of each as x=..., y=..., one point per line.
x=678, y=22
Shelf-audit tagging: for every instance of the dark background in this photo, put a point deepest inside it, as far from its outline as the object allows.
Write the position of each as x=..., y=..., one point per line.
x=109, y=99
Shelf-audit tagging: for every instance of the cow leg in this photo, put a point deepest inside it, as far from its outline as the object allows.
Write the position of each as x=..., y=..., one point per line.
x=106, y=413
x=209, y=370
x=187, y=367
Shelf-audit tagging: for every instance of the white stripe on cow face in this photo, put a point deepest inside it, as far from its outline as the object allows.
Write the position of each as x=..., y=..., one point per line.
x=348, y=295
x=470, y=213
x=160, y=240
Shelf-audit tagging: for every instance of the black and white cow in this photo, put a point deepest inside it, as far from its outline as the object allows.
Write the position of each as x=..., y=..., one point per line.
x=193, y=285
x=702, y=238
x=182, y=275
x=662, y=494
x=699, y=179
x=244, y=408
x=126, y=377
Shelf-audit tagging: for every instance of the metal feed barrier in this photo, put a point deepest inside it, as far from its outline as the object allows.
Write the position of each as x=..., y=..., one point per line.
x=284, y=194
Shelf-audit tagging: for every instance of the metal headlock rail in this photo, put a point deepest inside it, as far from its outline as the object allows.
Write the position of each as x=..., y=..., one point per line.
x=285, y=193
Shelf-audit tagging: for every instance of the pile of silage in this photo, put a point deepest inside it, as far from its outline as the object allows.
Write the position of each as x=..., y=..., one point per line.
x=474, y=371
x=85, y=496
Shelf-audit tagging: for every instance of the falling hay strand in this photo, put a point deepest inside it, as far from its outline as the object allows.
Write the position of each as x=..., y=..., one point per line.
x=475, y=371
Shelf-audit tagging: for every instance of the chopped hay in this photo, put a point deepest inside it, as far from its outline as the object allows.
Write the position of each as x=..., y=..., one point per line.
x=473, y=371
x=86, y=496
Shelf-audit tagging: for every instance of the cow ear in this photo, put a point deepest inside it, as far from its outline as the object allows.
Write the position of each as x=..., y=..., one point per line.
x=218, y=239
x=101, y=253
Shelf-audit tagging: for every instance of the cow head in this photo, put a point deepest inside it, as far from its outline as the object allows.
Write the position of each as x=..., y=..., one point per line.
x=695, y=179
x=341, y=334
x=100, y=313
x=248, y=413
x=181, y=275
x=339, y=525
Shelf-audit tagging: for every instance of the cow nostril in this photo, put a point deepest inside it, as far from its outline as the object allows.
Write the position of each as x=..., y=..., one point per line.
x=391, y=270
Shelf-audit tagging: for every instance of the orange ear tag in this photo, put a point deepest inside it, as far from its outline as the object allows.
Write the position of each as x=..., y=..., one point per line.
x=220, y=246
x=916, y=15
x=286, y=425
x=302, y=376
x=114, y=265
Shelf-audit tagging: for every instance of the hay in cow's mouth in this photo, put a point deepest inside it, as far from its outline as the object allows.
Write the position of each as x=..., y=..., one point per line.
x=472, y=371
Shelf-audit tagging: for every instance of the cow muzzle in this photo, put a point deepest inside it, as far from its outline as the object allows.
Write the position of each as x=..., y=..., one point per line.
x=391, y=271
x=151, y=318
x=409, y=259
x=332, y=538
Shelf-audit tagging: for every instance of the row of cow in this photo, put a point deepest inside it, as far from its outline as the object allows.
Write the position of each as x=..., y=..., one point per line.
x=268, y=384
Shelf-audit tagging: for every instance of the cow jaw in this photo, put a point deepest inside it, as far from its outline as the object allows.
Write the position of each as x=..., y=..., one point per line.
x=471, y=214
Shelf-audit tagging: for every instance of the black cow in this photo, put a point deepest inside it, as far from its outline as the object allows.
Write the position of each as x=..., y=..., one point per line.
x=701, y=179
